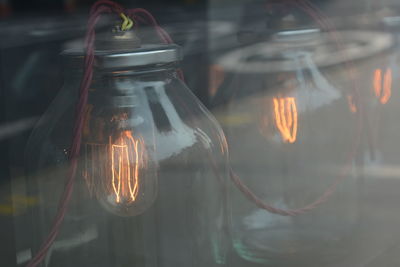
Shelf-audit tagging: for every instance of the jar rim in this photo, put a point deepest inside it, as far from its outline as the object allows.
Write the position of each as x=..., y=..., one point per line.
x=149, y=54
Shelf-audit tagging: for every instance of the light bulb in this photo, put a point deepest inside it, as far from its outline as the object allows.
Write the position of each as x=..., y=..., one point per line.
x=118, y=168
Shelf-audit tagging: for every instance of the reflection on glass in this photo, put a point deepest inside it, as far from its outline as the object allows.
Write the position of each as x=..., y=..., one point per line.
x=298, y=139
x=383, y=85
x=352, y=104
x=285, y=111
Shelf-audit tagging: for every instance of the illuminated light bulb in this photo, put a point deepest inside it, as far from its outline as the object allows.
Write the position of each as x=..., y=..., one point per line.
x=118, y=169
x=383, y=85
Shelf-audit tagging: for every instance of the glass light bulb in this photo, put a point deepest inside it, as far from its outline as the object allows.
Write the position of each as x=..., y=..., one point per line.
x=118, y=168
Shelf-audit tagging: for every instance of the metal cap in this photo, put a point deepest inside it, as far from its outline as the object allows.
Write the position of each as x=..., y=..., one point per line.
x=146, y=55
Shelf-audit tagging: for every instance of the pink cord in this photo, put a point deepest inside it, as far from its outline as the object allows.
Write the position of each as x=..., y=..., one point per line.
x=318, y=16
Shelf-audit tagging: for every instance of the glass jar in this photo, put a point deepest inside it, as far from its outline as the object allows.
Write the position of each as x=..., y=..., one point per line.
x=151, y=185
x=291, y=117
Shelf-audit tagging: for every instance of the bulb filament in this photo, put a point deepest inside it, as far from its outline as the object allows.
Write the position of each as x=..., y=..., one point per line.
x=125, y=160
x=285, y=110
x=116, y=167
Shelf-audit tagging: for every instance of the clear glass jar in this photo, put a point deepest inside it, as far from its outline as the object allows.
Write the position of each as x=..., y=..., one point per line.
x=293, y=130
x=151, y=185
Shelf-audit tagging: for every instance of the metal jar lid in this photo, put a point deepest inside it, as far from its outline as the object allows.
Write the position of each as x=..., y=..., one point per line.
x=146, y=55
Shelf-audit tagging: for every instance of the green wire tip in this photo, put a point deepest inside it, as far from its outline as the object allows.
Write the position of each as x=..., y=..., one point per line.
x=127, y=23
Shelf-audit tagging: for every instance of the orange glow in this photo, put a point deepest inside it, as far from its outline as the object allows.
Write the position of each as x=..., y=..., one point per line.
x=216, y=78
x=352, y=105
x=378, y=82
x=126, y=157
x=387, y=86
x=285, y=110
x=383, y=86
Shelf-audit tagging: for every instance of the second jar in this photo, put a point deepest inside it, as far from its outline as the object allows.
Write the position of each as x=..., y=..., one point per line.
x=293, y=123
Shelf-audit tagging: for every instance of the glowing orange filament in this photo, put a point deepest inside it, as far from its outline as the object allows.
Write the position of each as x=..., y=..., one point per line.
x=125, y=161
x=383, y=86
x=285, y=110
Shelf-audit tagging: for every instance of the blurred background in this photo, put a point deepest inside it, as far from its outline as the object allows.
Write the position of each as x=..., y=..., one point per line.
x=242, y=59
